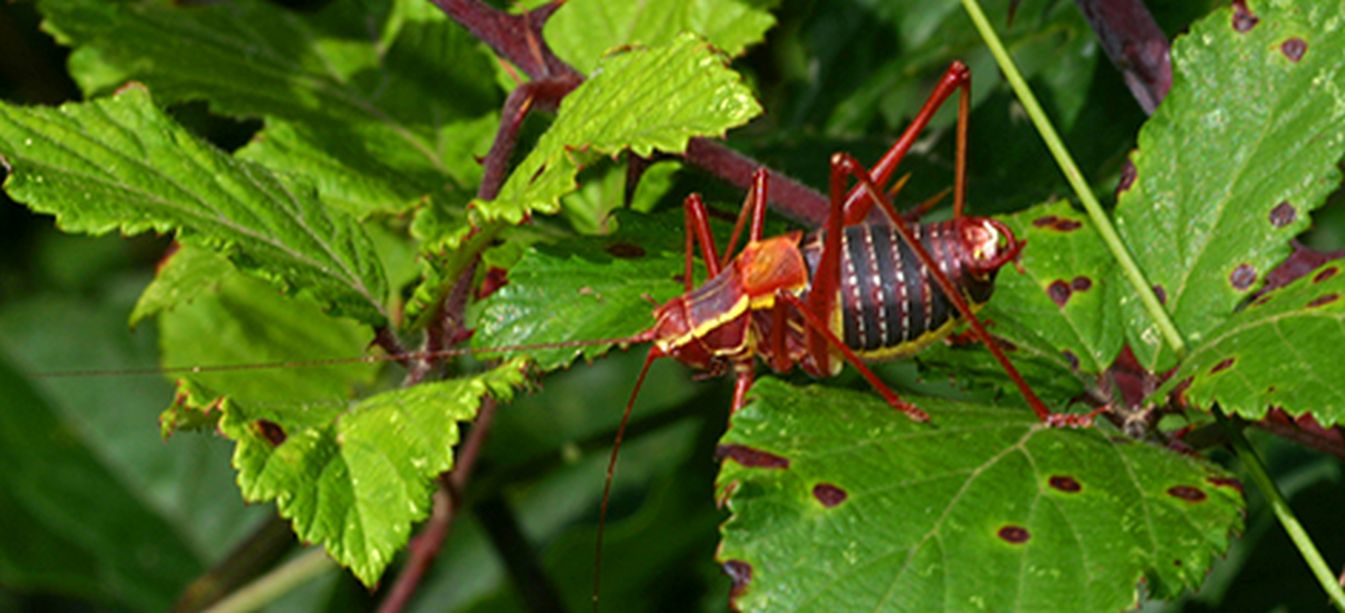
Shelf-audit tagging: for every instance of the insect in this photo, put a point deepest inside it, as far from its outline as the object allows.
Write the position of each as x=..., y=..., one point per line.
x=865, y=286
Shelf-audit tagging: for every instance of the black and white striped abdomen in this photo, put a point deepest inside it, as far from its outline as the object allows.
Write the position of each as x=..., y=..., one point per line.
x=890, y=306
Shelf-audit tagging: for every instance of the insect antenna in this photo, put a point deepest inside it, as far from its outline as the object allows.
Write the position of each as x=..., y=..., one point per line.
x=653, y=354
x=438, y=354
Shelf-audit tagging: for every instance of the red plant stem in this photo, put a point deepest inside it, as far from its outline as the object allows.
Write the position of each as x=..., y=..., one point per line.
x=447, y=501
x=518, y=40
x=1136, y=45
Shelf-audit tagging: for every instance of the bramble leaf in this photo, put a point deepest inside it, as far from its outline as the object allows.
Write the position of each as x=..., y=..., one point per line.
x=1225, y=179
x=358, y=98
x=1284, y=350
x=839, y=502
x=356, y=478
x=233, y=319
x=590, y=289
x=645, y=100
x=582, y=31
x=120, y=164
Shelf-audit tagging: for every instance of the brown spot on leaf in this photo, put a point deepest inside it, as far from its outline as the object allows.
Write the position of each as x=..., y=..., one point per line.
x=1081, y=284
x=1242, y=277
x=1014, y=534
x=1177, y=563
x=751, y=457
x=1283, y=214
x=271, y=431
x=1059, y=292
x=740, y=573
x=626, y=251
x=1065, y=483
x=1188, y=493
x=1225, y=482
x=1326, y=273
x=1161, y=293
x=1056, y=223
x=1128, y=174
x=829, y=495
x=1327, y=299
x=1071, y=358
x=1294, y=48
x=1243, y=19
x=1222, y=365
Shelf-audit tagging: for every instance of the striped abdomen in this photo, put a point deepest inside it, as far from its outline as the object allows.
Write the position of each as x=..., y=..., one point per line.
x=889, y=306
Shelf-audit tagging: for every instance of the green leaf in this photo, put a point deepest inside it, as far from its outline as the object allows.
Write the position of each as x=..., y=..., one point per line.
x=1056, y=315
x=645, y=100
x=589, y=289
x=356, y=478
x=370, y=109
x=1225, y=179
x=582, y=31
x=120, y=164
x=234, y=319
x=123, y=554
x=1284, y=350
x=183, y=275
x=840, y=503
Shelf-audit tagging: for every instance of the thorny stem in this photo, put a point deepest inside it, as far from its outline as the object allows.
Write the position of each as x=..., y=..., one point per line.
x=1306, y=547
x=518, y=39
x=447, y=503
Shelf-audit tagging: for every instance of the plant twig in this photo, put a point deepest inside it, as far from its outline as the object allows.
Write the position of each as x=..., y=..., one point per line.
x=447, y=502
x=276, y=583
x=262, y=548
x=1252, y=464
x=1136, y=45
x=518, y=40
x=1076, y=180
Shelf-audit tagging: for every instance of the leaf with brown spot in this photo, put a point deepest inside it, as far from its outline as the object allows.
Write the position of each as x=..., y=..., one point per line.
x=980, y=504
x=1057, y=311
x=1284, y=351
x=1215, y=165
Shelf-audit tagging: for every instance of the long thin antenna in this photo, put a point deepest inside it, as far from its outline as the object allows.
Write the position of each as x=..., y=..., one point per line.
x=364, y=359
x=654, y=354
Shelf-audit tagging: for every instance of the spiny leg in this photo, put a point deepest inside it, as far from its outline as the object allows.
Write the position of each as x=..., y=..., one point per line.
x=755, y=208
x=957, y=78
x=696, y=226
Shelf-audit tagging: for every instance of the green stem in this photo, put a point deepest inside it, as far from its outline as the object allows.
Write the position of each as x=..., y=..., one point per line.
x=267, y=588
x=1144, y=290
x=1252, y=464
x=1090, y=204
